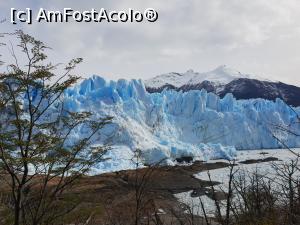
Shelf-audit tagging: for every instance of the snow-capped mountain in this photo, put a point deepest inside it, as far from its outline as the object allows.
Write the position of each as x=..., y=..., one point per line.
x=173, y=124
x=225, y=80
x=221, y=75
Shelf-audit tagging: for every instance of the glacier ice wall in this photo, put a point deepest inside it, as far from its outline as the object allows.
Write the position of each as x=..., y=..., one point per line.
x=173, y=124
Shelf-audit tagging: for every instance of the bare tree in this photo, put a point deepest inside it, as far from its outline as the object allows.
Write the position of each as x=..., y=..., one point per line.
x=256, y=200
x=228, y=202
x=287, y=176
x=142, y=178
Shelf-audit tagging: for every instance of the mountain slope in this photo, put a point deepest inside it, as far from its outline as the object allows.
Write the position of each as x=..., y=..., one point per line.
x=221, y=75
x=249, y=88
x=224, y=80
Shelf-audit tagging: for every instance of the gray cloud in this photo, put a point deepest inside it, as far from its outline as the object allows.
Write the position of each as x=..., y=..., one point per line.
x=258, y=36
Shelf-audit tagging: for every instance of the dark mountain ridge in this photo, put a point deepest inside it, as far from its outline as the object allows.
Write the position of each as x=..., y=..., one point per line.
x=243, y=88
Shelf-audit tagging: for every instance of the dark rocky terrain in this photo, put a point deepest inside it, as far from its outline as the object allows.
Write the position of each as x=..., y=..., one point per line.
x=244, y=88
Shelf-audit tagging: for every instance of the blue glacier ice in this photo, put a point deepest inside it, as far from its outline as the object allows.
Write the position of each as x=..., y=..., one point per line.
x=173, y=124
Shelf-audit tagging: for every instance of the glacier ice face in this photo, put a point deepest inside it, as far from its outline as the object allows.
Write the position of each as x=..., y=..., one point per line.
x=117, y=158
x=171, y=124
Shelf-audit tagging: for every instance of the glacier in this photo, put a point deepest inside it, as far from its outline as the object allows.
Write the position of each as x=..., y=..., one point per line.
x=171, y=124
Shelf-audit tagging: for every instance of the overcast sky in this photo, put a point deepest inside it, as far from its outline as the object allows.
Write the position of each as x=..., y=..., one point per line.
x=258, y=36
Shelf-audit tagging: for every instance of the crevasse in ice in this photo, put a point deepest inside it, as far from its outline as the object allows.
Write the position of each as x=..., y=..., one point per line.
x=172, y=124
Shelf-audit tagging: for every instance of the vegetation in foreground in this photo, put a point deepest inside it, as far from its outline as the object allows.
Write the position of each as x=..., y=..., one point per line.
x=43, y=178
x=39, y=159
